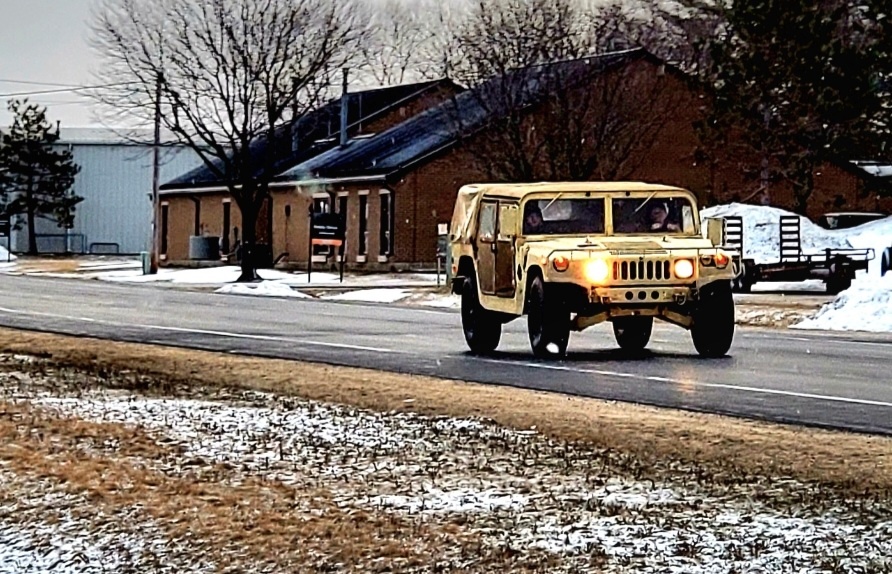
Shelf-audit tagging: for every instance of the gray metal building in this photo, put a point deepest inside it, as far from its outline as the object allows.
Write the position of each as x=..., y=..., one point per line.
x=116, y=183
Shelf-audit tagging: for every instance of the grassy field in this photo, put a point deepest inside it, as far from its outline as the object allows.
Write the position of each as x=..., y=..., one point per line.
x=122, y=457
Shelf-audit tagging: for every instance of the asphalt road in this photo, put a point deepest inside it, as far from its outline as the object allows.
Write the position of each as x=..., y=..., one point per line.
x=820, y=379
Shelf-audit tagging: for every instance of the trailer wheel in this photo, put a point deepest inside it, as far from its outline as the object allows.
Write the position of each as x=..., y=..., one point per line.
x=482, y=328
x=633, y=333
x=712, y=330
x=548, y=322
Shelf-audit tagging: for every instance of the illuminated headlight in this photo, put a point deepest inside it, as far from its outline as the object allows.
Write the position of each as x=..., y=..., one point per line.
x=684, y=269
x=722, y=260
x=597, y=271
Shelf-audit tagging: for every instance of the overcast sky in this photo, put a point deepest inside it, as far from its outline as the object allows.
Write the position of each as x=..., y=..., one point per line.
x=46, y=41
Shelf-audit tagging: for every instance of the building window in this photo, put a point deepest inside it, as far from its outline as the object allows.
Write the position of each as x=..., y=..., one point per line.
x=226, y=223
x=196, y=228
x=164, y=228
x=385, y=226
x=363, y=224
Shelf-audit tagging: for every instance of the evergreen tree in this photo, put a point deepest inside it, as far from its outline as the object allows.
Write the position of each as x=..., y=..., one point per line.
x=800, y=79
x=36, y=178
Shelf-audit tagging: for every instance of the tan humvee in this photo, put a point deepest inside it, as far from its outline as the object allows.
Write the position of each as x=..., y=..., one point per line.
x=572, y=255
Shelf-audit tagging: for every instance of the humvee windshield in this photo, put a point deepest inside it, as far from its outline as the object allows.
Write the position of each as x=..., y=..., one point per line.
x=653, y=215
x=564, y=216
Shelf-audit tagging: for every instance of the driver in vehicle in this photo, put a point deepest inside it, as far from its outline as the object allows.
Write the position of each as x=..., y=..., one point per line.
x=532, y=222
x=658, y=219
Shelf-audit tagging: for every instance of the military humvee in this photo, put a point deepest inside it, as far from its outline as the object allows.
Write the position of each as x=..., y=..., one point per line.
x=572, y=255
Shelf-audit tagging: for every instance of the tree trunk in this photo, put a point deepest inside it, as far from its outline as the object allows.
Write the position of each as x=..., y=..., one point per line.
x=249, y=239
x=32, y=228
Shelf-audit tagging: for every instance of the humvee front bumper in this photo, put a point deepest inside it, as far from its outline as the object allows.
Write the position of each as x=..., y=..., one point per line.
x=641, y=295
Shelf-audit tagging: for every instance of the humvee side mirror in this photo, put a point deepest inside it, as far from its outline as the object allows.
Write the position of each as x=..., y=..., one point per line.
x=508, y=223
x=715, y=230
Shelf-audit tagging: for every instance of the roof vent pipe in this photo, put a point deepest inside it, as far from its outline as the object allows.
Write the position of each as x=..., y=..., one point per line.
x=344, y=97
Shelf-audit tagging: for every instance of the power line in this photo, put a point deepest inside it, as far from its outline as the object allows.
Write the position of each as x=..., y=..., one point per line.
x=64, y=90
x=29, y=83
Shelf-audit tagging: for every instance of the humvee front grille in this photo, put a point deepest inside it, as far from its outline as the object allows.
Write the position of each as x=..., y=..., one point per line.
x=650, y=270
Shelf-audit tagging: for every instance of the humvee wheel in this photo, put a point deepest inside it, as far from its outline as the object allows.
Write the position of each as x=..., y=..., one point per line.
x=633, y=333
x=482, y=328
x=548, y=322
x=713, y=327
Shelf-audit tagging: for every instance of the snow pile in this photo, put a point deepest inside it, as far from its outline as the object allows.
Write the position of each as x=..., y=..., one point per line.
x=264, y=289
x=877, y=235
x=6, y=256
x=761, y=231
x=865, y=306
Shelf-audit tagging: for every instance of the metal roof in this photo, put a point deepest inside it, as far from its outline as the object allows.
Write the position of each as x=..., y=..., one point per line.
x=312, y=133
x=437, y=128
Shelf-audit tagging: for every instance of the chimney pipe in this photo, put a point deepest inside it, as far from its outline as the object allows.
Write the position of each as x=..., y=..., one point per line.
x=344, y=99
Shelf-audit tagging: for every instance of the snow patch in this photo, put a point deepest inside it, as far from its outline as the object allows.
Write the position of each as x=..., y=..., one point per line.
x=6, y=256
x=264, y=289
x=865, y=306
x=371, y=295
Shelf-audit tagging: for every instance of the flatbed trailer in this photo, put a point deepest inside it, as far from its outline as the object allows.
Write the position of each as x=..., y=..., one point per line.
x=836, y=267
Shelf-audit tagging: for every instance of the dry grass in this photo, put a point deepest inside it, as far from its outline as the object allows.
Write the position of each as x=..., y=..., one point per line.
x=244, y=523
x=718, y=448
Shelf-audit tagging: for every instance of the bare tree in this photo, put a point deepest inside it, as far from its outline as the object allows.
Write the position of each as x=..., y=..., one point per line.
x=224, y=77
x=595, y=115
x=406, y=40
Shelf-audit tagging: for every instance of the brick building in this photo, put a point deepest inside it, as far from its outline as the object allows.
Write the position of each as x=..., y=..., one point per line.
x=396, y=178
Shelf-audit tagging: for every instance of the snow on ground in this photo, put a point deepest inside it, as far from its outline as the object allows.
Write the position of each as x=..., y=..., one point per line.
x=371, y=295
x=513, y=488
x=264, y=289
x=5, y=256
x=865, y=306
x=67, y=542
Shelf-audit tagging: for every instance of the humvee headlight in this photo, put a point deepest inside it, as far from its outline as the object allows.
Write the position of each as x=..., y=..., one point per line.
x=597, y=271
x=722, y=260
x=561, y=263
x=684, y=269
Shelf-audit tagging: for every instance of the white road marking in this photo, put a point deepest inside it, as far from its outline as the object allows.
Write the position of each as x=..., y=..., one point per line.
x=209, y=332
x=690, y=383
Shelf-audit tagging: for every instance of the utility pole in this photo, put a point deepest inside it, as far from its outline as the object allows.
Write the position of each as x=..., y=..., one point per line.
x=156, y=177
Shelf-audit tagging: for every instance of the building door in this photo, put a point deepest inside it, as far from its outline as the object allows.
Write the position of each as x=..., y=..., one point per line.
x=487, y=247
x=503, y=272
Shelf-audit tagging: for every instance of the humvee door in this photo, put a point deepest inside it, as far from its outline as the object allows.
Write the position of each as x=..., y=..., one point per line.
x=497, y=230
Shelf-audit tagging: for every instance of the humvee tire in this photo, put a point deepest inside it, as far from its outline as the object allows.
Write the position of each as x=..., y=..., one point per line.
x=482, y=328
x=548, y=322
x=712, y=330
x=633, y=333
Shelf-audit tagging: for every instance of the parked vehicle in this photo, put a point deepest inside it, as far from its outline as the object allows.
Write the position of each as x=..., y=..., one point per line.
x=572, y=255
x=848, y=219
x=837, y=267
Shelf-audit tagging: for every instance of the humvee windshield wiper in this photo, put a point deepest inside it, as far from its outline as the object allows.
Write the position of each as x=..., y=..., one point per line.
x=556, y=197
x=640, y=207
